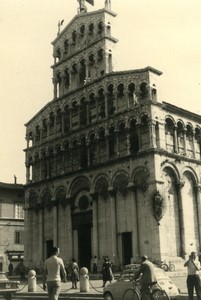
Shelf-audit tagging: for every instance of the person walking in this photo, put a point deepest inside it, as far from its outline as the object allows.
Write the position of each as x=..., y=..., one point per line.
x=146, y=273
x=54, y=266
x=74, y=273
x=193, y=278
x=107, y=271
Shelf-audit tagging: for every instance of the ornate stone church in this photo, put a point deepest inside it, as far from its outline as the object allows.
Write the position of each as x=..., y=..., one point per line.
x=111, y=170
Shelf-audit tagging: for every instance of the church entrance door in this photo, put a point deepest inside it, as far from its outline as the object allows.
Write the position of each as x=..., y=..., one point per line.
x=126, y=247
x=84, y=245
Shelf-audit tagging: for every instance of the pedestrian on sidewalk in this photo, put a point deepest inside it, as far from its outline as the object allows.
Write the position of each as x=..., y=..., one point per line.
x=51, y=276
x=193, y=278
x=107, y=271
x=74, y=273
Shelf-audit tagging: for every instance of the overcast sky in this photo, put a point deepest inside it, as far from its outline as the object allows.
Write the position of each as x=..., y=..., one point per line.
x=164, y=34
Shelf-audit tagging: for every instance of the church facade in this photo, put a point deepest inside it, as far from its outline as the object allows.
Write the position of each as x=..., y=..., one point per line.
x=111, y=170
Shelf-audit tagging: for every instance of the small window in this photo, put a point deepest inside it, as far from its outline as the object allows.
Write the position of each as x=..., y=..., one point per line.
x=19, y=237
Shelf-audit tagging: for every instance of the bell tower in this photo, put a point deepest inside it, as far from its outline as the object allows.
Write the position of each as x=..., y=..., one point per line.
x=83, y=50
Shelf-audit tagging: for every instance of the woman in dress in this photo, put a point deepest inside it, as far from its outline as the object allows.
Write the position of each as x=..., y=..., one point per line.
x=107, y=271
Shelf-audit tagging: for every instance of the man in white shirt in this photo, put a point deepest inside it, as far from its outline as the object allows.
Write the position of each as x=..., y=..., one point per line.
x=54, y=266
x=193, y=278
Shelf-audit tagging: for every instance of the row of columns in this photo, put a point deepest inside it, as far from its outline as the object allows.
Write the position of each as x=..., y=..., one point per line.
x=91, y=151
x=184, y=132
x=36, y=229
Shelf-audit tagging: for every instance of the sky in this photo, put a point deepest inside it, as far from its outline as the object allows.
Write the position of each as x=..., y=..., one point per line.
x=164, y=34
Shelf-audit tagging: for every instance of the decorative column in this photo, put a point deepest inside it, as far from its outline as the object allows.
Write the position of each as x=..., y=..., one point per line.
x=128, y=142
x=48, y=128
x=106, y=107
x=198, y=194
x=41, y=232
x=79, y=107
x=55, y=87
x=87, y=105
x=70, y=117
x=179, y=186
x=107, y=143
x=27, y=172
x=175, y=139
x=95, y=247
x=98, y=149
x=115, y=102
x=152, y=133
x=117, y=141
x=161, y=135
x=28, y=233
x=40, y=166
x=139, y=136
x=62, y=122
x=55, y=222
x=193, y=143
x=184, y=132
x=134, y=214
x=88, y=153
x=96, y=101
x=69, y=227
x=113, y=232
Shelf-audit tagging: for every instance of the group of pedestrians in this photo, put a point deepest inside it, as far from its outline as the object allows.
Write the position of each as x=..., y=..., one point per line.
x=55, y=273
x=54, y=268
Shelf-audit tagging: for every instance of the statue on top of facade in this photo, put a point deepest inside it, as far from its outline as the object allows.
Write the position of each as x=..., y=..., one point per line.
x=83, y=7
x=108, y=4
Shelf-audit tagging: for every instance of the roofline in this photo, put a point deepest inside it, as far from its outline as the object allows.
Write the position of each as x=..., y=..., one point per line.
x=11, y=186
x=174, y=109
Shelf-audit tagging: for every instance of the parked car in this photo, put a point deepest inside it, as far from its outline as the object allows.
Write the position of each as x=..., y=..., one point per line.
x=116, y=290
x=8, y=287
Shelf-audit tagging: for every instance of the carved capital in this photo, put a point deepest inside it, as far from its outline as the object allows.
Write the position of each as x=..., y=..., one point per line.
x=180, y=184
x=111, y=191
x=198, y=188
x=94, y=195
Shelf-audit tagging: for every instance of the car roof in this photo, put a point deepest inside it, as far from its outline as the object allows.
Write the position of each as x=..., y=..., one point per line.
x=134, y=267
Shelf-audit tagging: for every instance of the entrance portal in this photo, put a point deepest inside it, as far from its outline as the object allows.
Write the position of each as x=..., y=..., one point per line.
x=126, y=247
x=84, y=245
x=49, y=247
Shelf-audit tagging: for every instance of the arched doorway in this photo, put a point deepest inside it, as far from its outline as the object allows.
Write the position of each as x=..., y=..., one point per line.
x=82, y=225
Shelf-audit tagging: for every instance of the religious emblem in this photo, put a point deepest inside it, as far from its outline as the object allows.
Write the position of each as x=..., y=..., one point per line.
x=158, y=207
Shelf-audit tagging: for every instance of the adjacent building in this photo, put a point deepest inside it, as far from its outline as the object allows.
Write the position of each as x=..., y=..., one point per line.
x=11, y=224
x=111, y=170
